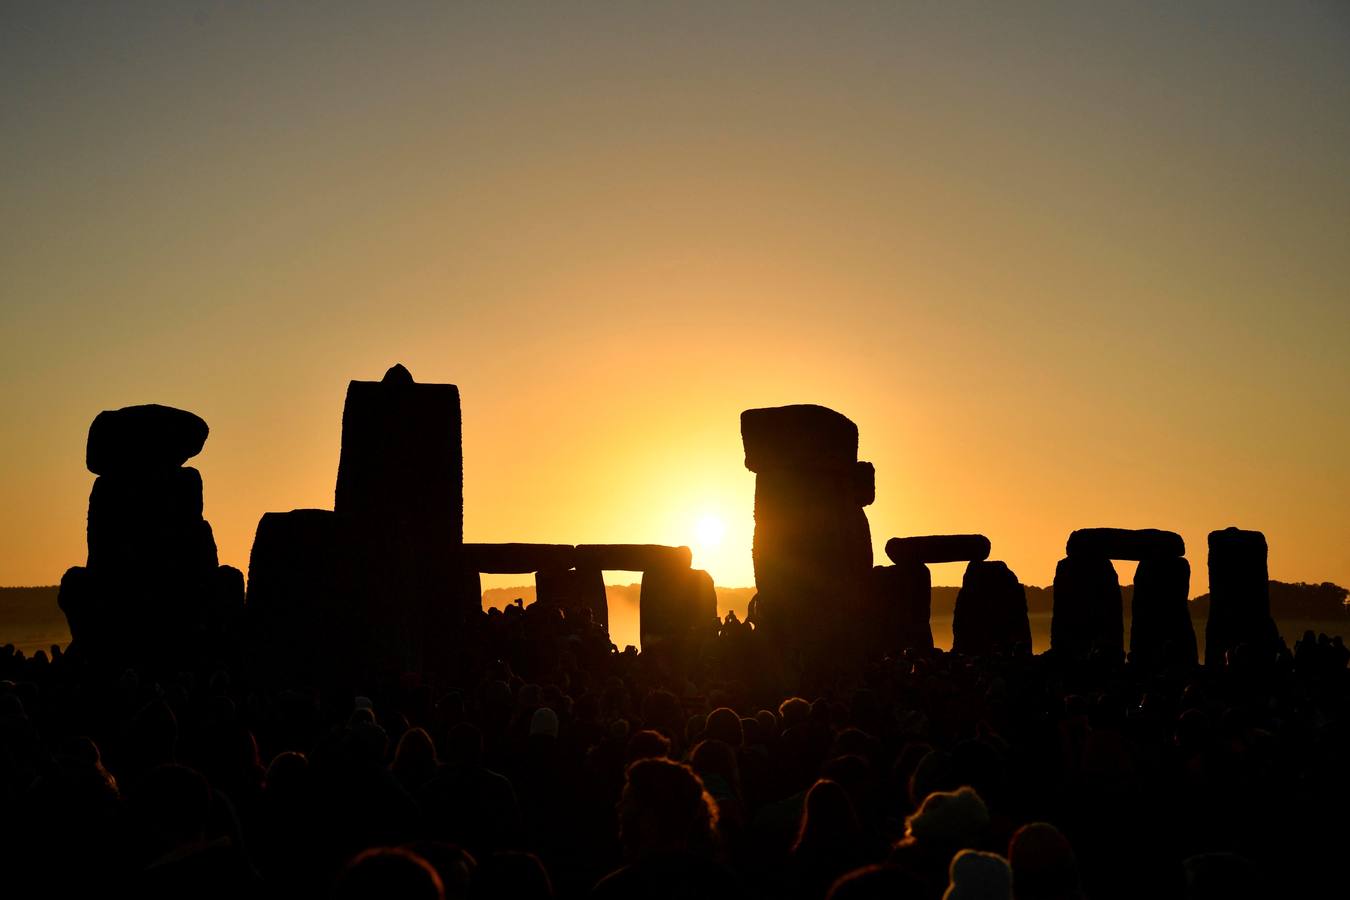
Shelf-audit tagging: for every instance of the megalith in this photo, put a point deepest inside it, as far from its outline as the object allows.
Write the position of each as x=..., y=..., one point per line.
x=1088, y=609
x=1239, y=595
x=1087, y=612
x=1161, y=632
x=151, y=593
x=902, y=608
x=812, y=547
x=991, y=612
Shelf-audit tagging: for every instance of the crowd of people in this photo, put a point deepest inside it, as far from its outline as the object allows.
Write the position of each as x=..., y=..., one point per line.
x=543, y=762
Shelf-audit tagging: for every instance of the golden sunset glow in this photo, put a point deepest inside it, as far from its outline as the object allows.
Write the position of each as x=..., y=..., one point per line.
x=1050, y=294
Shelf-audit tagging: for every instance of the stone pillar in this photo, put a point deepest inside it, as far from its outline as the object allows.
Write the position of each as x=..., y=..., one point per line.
x=991, y=612
x=152, y=594
x=1161, y=632
x=1239, y=595
x=1087, y=612
x=902, y=608
x=675, y=605
x=400, y=493
x=812, y=545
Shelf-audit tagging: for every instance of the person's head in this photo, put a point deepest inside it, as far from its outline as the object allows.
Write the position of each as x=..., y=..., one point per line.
x=453, y=864
x=387, y=872
x=415, y=751
x=665, y=808
x=875, y=883
x=827, y=817
x=793, y=711
x=724, y=725
x=647, y=744
x=511, y=875
x=948, y=821
x=1043, y=864
x=974, y=875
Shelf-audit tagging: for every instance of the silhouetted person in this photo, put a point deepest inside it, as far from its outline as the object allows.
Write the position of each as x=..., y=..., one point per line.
x=511, y=875
x=384, y=873
x=829, y=842
x=668, y=826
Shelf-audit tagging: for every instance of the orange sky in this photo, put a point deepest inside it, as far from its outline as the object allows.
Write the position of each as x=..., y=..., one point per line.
x=1073, y=267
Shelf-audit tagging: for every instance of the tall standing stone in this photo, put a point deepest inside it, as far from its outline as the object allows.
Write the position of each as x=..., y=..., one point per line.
x=991, y=612
x=902, y=609
x=152, y=593
x=812, y=546
x=1239, y=592
x=1161, y=632
x=400, y=489
x=1088, y=613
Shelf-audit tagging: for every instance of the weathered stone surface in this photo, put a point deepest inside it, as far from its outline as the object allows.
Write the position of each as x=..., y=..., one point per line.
x=590, y=593
x=1088, y=612
x=1239, y=591
x=864, y=483
x=938, y=548
x=800, y=436
x=812, y=553
x=675, y=605
x=143, y=439
x=77, y=598
x=633, y=557
x=518, y=559
x=991, y=612
x=903, y=607
x=1160, y=620
x=401, y=465
x=148, y=522
x=400, y=495
x=1125, y=543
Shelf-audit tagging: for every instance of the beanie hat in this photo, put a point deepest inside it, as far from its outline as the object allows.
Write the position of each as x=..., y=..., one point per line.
x=979, y=876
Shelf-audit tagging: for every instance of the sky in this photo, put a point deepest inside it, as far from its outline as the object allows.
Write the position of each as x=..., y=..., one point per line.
x=1065, y=264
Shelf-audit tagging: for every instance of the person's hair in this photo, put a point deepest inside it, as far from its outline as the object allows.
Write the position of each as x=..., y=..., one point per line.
x=793, y=711
x=828, y=818
x=875, y=882
x=664, y=806
x=387, y=872
x=647, y=744
x=512, y=874
x=415, y=749
x=724, y=725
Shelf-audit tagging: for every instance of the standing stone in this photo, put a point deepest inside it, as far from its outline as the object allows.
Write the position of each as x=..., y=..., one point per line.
x=991, y=612
x=812, y=545
x=903, y=606
x=1160, y=619
x=1087, y=608
x=400, y=492
x=152, y=594
x=675, y=606
x=298, y=604
x=590, y=594
x=1239, y=591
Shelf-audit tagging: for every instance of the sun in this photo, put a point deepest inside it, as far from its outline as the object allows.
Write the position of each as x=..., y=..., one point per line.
x=708, y=533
